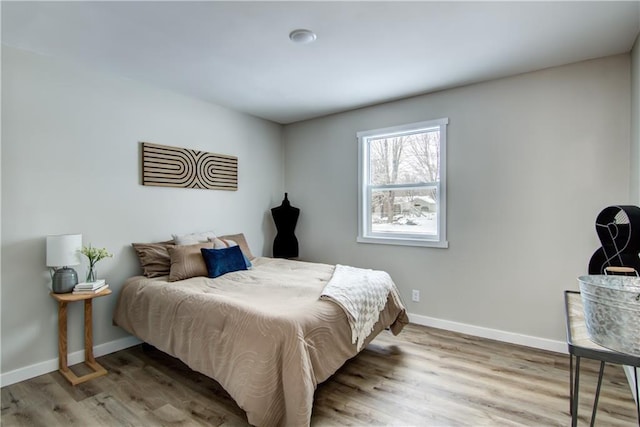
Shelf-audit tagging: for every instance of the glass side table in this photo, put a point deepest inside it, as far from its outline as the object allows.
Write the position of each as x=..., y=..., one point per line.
x=581, y=346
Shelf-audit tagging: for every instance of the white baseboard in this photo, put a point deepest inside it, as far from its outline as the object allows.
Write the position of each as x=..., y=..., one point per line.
x=45, y=367
x=510, y=337
x=494, y=334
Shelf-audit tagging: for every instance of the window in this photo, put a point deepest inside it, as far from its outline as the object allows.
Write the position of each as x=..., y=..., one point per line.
x=402, y=197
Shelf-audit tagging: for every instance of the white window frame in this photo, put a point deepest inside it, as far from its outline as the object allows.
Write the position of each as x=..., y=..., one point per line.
x=365, y=189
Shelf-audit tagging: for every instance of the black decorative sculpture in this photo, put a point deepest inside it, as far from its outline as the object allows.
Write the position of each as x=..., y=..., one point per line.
x=618, y=229
x=285, y=245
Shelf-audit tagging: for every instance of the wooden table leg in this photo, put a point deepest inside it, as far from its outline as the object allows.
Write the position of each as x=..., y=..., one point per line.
x=88, y=331
x=98, y=370
x=62, y=336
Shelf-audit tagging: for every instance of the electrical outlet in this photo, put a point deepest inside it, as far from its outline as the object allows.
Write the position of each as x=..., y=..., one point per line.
x=415, y=295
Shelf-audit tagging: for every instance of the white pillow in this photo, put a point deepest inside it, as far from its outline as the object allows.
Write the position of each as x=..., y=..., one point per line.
x=221, y=244
x=193, y=238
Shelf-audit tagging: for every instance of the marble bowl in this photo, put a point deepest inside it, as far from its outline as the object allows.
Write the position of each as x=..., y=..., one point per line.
x=612, y=311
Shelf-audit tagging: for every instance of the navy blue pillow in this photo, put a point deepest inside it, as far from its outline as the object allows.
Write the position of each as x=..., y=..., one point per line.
x=222, y=261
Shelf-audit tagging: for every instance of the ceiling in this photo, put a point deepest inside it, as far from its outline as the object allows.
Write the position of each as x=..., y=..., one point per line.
x=238, y=54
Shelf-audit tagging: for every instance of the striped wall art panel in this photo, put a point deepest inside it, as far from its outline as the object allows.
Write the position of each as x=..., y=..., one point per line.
x=167, y=166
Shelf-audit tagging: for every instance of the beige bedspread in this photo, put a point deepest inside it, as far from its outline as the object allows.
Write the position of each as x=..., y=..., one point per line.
x=263, y=334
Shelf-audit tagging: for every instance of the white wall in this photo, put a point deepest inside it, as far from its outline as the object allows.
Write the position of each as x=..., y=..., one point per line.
x=532, y=160
x=70, y=164
x=635, y=154
x=635, y=123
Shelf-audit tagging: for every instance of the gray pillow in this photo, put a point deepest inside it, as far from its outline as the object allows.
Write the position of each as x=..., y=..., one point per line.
x=154, y=258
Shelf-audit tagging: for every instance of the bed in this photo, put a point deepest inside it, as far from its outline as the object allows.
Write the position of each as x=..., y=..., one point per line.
x=264, y=333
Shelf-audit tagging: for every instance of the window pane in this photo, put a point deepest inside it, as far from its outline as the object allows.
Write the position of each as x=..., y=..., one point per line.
x=405, y=159
x=404, y=211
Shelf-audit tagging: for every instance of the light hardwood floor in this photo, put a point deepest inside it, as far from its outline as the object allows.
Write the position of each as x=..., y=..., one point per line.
x=423, y=377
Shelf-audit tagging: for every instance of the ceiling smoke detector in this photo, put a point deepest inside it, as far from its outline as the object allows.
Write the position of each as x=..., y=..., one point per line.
x=302, y=36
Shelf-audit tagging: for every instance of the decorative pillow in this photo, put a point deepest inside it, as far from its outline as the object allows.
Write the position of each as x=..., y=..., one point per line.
x=154, y=258
x=187, y=262
x=222, y=261
x=241, y=241
x=193, y=238
x=224, y=243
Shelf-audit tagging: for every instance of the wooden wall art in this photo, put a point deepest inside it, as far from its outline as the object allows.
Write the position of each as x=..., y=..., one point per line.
x=167, y=166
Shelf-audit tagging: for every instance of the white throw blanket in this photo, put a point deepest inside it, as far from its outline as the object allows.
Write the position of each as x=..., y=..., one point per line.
x=362, y=294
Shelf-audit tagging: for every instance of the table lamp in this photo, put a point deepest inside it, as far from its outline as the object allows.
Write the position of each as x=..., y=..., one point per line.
x=63, y=250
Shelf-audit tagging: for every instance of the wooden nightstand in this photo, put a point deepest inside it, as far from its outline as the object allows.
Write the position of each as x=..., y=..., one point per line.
x=89, y=360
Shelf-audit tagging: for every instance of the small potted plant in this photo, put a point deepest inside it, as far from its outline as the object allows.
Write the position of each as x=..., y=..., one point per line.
x=94, y=255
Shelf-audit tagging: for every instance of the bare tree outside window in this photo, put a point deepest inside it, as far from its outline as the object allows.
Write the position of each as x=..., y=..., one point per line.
x=398, y=160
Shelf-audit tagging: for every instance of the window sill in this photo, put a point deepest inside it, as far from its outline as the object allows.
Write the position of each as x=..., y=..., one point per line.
x=404, y=242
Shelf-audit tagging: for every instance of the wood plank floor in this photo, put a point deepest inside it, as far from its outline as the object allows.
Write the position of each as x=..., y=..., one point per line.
x=423, y=377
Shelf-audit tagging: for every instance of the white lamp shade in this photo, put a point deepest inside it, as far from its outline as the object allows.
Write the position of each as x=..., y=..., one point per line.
x=63, y=250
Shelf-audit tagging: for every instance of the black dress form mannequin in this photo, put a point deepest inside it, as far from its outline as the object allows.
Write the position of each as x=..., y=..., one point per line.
x=285, y=245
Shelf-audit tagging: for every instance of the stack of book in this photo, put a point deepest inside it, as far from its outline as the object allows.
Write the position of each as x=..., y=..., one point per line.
x=90, y=287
